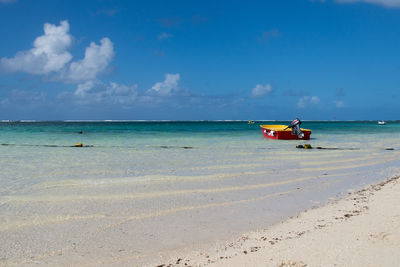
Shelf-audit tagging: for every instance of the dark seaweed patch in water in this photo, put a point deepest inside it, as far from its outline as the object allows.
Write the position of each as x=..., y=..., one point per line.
x=44, y=145
x=326, y=148
x=166, y=147
x=184, y=147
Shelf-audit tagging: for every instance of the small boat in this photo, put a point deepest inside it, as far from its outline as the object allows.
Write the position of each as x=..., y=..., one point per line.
x=284, y=132
x=381, y=122
x=250, y=122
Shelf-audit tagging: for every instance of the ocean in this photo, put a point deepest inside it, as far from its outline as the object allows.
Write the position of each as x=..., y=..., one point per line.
x=143, y=188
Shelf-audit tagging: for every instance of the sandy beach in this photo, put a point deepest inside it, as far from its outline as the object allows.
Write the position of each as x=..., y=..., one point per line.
x=362, y=229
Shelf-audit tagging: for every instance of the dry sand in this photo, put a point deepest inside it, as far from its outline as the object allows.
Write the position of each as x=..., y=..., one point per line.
x=362, y=229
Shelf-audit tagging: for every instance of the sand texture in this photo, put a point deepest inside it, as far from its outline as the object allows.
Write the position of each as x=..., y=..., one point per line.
x=362, y=229
x=190, y=207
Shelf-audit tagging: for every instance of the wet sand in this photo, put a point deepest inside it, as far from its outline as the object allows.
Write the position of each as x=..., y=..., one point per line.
x=361, y=229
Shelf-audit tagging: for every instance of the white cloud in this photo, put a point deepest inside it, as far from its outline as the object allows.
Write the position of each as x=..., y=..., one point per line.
x=261, y=90
x=99, y=92
x=50, y=55
x=96, y=60
x=306, y=101
x=339, y=104
x=386, y=3
x=163, y=36
x=49, y=52
x=168, y=87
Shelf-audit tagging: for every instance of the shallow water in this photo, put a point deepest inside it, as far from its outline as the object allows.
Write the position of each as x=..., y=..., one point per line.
x=144, y=188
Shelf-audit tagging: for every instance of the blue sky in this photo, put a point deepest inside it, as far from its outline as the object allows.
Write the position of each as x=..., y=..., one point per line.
x=195, y=60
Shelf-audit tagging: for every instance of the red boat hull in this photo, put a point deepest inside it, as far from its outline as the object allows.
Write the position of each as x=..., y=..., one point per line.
x=285, y=135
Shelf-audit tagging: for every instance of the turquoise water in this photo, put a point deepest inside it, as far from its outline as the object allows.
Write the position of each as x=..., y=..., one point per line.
x=152, y=134
x=169, y=185
x=33, y=152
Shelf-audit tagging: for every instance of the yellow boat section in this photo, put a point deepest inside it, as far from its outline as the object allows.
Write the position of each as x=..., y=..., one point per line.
x=277, y=128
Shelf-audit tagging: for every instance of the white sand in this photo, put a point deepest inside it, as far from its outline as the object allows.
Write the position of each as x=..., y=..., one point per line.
x=363, y=229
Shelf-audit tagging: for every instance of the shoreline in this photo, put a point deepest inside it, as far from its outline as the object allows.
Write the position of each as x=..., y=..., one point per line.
x=360, y=229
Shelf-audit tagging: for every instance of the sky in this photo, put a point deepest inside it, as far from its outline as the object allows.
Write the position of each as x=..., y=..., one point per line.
x=199, y=60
